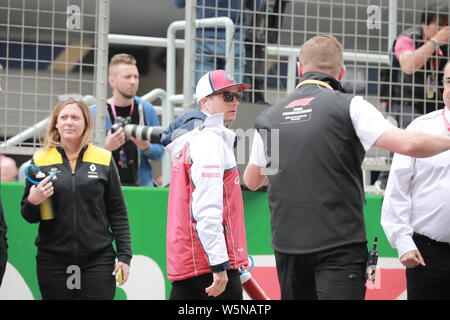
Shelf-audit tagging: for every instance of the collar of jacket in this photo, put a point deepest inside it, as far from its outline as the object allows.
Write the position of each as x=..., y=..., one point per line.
x=317, y=75
x=80, y=155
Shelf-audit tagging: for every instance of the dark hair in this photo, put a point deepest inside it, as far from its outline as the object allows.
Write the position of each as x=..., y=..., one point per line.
x=434, y=12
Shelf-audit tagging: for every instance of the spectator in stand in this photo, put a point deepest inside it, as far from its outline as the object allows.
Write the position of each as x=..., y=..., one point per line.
x=420, y=53
x=210, y=43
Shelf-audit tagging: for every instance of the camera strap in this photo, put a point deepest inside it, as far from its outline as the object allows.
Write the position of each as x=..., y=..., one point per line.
x=113, y=108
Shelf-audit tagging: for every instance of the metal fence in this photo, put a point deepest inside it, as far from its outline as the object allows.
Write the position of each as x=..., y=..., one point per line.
x=269, y=34
x=50, y=47
x=47, y=48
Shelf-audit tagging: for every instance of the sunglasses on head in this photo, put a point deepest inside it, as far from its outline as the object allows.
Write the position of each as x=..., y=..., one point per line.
x=72, y=96
x=228, y=96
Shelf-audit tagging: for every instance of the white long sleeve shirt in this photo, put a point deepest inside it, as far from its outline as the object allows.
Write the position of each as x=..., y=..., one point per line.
x=417, y=197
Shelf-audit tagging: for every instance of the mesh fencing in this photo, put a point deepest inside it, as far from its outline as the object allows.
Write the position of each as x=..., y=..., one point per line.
x=269, y=33
x=51, y=47
x=47, y=48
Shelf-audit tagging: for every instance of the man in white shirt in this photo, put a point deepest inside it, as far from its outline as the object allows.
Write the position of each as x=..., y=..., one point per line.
x=205, y=238
x=415, y=214
x=316, y=194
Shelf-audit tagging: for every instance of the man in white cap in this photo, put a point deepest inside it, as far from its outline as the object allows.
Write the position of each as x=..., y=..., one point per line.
x=206, y=242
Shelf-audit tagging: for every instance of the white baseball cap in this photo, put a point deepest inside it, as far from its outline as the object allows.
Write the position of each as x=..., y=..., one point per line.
x=215, y=81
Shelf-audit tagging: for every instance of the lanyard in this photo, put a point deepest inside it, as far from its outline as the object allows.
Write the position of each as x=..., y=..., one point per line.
x=447, y=124
x=113, y=108
x=320, y=83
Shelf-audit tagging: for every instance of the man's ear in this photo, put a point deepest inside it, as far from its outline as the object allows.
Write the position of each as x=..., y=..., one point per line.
x=111, y=81
x=342, y=72
x=203, y=105
x=299, y=69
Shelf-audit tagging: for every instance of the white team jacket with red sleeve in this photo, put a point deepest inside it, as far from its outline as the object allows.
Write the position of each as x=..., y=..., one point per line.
x=205, y=225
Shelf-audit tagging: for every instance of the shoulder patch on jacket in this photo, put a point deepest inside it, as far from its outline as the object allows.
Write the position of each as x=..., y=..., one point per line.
x=97, y=155
x=47, y=158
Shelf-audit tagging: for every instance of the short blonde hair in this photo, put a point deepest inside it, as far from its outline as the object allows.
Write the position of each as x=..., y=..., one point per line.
x=322, y=53
x=121, y=58
x=53, y=139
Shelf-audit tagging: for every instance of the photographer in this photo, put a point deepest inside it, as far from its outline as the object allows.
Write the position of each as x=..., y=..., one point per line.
x=131, y=155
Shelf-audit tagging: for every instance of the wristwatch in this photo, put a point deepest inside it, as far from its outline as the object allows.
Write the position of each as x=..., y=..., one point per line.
x=436, y=44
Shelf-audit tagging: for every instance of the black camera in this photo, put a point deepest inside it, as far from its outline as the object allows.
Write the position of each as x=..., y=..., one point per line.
x=120, y=122
x=152, y=134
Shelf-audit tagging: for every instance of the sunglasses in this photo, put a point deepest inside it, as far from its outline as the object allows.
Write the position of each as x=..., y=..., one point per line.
x=228, y=96
x=71, y=96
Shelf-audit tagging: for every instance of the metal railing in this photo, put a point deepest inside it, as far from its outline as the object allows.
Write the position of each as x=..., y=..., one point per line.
x=292, y=54
x=169, y=98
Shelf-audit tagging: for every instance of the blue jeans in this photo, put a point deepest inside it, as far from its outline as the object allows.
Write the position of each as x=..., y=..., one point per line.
x=210, y=55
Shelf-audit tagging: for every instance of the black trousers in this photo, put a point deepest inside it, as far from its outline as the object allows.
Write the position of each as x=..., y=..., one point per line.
x=431, y=282
x=334, y=274
x=194, y=288
x=85, y=279
x=3, y=256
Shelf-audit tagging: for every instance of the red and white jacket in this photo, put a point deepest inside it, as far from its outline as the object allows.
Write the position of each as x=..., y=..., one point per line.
x=205, y=226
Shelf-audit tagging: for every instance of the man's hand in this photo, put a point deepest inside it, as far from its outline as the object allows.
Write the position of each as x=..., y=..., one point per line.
x=219, y=284
x=140, y=144
x=443, y=36
x=412, y=259
x=114, y=141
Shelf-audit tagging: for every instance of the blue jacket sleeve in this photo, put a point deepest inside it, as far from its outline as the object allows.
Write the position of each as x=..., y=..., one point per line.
x=156, y=150
x=93, y=110
x=179, y=3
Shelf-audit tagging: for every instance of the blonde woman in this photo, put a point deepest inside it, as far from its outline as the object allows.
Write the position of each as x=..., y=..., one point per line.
x=80, y=210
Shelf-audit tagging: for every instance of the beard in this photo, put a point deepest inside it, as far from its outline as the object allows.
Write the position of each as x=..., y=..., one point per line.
x=126, y=95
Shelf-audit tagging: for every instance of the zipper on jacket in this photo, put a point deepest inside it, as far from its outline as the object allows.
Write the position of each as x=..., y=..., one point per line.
x=74, y=219
x=226, y=229
x=75, y=247
x=77, y=164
